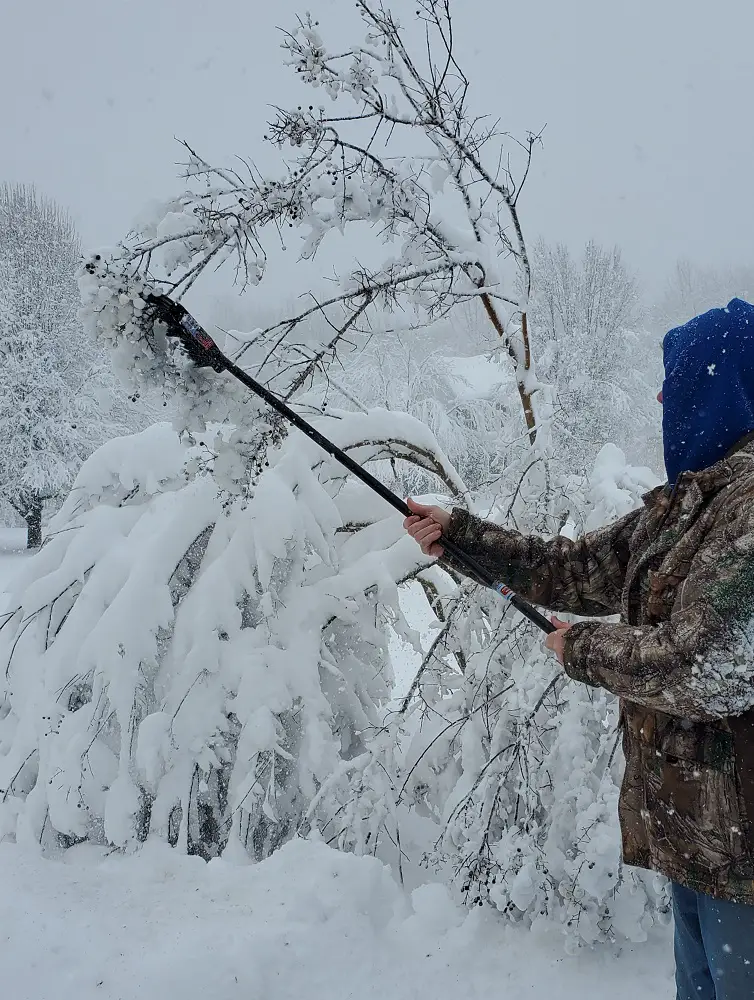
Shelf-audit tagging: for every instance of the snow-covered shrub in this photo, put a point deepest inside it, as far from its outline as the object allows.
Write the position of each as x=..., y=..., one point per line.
x=519, y=767
x=183, y=662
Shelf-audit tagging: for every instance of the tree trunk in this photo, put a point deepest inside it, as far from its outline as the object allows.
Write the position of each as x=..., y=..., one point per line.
x=518, y=363
x=33, y=518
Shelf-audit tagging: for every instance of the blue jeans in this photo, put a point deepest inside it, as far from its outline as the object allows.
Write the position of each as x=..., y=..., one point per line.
x=714, y=947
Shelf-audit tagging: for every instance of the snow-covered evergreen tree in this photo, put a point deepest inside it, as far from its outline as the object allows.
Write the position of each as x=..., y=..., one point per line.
x=58, y=400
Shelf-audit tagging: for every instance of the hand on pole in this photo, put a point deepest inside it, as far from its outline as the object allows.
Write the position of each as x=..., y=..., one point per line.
x=426, y=525
x=555, y=641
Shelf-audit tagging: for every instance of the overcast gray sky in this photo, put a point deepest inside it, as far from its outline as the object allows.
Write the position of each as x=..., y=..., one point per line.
x=648, y=104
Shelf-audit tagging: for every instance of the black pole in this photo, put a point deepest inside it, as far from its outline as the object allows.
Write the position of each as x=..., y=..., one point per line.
x=204, y=351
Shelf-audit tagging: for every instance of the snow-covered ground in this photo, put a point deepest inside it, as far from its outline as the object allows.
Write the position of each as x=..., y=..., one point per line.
x=12, y=554
x=309, y=922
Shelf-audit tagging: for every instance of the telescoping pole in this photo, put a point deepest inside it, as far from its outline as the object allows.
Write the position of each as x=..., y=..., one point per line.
x=204, y=351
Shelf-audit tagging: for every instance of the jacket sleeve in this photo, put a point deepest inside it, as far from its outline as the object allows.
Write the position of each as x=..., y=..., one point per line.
x=583, y=577
x=700, y=663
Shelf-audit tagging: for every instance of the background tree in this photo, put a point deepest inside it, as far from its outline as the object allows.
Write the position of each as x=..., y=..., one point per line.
x=604, y=365
x=58, y=400
x=692, y=289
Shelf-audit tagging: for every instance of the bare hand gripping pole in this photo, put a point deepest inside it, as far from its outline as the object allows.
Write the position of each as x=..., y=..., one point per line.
x=202, y=350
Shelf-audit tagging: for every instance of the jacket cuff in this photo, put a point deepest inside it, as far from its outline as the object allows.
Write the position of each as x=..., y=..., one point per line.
x=578, y=640
x=459, y=522
x=457, y=532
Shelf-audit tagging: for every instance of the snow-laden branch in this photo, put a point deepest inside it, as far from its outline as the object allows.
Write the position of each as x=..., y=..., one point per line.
x=447, y=213
x=176, y=655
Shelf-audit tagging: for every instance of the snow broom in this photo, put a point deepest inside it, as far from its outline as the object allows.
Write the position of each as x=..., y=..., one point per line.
x=205, y=353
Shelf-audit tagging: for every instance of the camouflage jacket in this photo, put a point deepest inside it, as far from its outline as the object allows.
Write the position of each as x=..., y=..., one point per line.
x=680, y=572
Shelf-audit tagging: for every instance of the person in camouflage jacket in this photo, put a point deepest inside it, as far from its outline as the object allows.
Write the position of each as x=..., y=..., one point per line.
x=680, y=573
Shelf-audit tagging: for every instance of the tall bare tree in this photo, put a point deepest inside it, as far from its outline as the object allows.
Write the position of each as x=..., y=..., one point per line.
x=402, y=153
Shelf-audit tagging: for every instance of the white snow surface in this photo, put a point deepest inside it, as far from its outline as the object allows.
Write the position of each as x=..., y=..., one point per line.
x=308, y=922
x=12, y=556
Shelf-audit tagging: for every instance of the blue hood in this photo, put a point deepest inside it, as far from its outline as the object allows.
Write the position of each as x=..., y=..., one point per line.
x=708, y=392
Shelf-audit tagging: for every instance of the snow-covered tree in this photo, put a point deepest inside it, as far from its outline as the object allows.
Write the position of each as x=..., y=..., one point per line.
x=206, y=670
x=518, y=767
x=401, y=154
x=604, y=365
x=199, y=654
x=692, y=289
x=57, y=399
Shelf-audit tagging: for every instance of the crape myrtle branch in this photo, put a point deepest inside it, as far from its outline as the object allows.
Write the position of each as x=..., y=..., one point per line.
x=411, y=452
x=380, y=448
x=436, y=652
x=222, y=220
x=435, y=104
x=340, y=176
